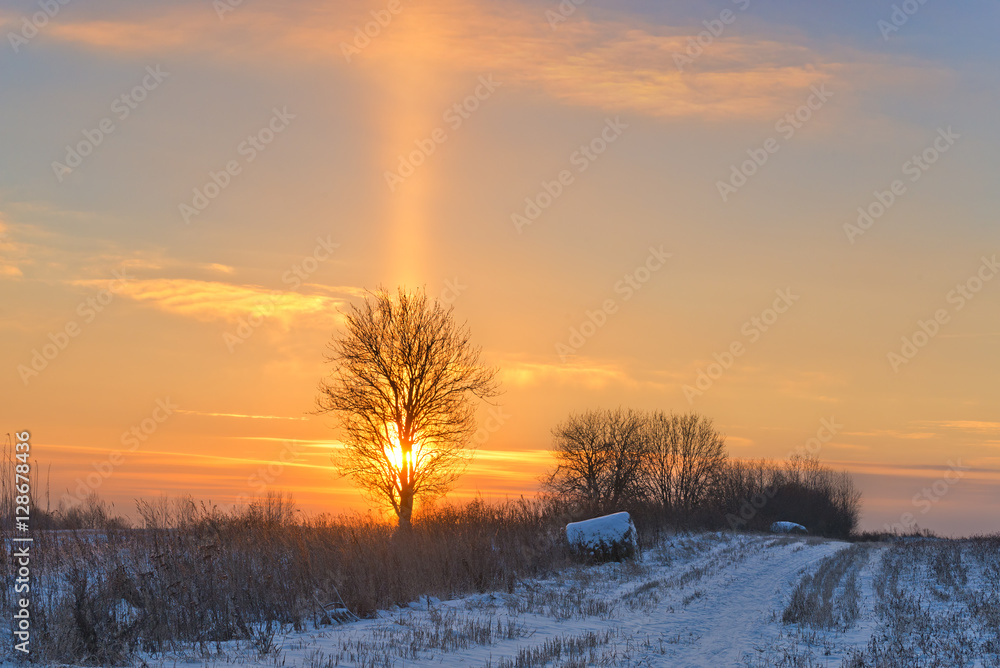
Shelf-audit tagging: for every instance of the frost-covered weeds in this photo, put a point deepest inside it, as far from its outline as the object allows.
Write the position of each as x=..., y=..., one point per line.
x=197, y=577
x=829, y=598
x=568, y=651
x=405, y=637
x=936, y=602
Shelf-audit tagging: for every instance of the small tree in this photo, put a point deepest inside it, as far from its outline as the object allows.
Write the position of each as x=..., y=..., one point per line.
x=686, y=457
x=404, y=385
x=599, y=457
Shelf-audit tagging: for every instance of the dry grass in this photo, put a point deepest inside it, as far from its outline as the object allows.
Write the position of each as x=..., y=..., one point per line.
x=946, y=622
x=820, y=601
x=936, y=603
x=567, y=651
x=200, y=577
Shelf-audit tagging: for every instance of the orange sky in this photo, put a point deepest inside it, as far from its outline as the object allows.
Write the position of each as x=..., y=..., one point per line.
x=630, y=273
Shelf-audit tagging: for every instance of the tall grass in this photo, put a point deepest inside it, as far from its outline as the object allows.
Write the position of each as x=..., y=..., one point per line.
x=195, y=575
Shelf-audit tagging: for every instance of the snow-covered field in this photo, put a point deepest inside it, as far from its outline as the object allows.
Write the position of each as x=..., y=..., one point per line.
x=713, y=600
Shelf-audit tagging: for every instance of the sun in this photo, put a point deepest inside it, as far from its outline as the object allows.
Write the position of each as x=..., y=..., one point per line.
x=394, y=452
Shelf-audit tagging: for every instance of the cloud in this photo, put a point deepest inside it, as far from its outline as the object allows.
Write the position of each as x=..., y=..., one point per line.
x=515, y=456
x=924, y=471
x=12, y=254
x=740, y=441
x=893, y=433
x=969, y=426
x=220, y=268
x=58, y=251
x=212, y=300
x=620, y=66
x=591, y=376
x=240, y=415
x=326, y=444
x=166, y=458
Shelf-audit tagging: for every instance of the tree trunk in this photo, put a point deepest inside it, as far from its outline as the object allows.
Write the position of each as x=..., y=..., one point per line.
x=405, y=509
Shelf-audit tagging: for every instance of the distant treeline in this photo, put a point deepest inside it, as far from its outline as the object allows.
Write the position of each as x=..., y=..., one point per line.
x=674, y=469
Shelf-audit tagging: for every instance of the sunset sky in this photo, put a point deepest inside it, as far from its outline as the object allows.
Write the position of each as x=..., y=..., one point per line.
x=191, y=191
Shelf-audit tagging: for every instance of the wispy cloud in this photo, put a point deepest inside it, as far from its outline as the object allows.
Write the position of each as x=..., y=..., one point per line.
x=304, y=442
x=969, y=426
x=12, y=254
x=623, y=65
x=894, y=433
x=591, y=375
x=169, y=458
x=239, y=415
x=56, y=252
x=740, y=441
x=213, y=300
x=975, y=470
x=515, y=456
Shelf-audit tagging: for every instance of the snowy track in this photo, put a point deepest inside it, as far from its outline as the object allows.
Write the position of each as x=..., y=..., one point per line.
x=731, y=616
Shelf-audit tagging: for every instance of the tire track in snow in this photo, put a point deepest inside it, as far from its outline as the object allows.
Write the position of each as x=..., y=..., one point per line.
x=736, y=606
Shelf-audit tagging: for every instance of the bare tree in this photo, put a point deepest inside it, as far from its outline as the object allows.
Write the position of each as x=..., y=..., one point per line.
x=686, y=457
x=404, y=385
x=599, y=457
x=661, y=469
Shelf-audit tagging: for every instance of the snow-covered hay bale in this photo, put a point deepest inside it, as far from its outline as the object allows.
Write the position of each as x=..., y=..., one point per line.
x=788, y=527
x=607, y=538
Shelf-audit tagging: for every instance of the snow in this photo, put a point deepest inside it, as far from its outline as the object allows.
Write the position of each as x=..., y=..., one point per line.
x=705, y=599
x=607, y=530
x=696, y=600
x=787, y=527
